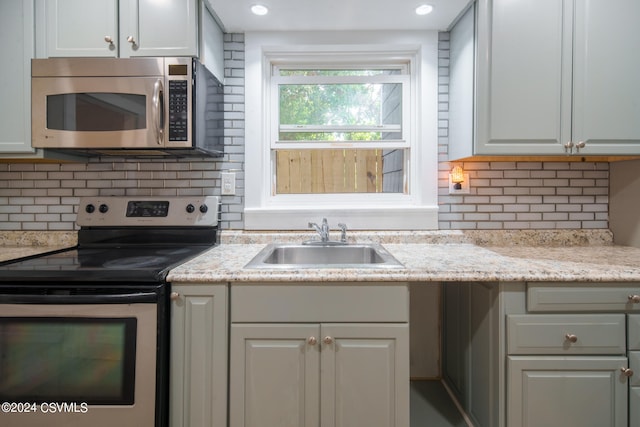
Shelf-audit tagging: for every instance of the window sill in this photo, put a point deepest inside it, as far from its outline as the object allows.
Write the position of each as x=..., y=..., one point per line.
x=382, y=218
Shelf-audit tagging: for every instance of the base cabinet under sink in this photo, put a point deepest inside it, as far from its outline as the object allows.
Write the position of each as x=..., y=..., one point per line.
x=304, y=368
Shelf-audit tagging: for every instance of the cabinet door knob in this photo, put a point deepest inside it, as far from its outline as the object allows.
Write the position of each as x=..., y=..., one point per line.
x=108, y=39
x=568, y=147
x=312, y=340
x=571, y=337
x=174, y=296
x=635, y=299
x=627, y=372
x=131, y=40
x=579, y=145
x=327, y=340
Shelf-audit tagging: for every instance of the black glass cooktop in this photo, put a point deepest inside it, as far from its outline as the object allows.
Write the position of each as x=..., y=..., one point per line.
x=139, y=264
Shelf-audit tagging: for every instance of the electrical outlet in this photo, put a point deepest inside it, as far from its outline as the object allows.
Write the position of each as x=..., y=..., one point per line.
x=228, y=183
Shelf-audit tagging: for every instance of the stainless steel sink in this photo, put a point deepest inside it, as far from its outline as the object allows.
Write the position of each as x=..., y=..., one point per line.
x=290, y=255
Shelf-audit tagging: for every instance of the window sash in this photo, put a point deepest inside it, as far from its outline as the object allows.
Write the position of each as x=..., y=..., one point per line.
x=274, y=116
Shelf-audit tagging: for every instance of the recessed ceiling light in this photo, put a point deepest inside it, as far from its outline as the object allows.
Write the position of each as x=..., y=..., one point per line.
x=424, y=9
x=259, y=9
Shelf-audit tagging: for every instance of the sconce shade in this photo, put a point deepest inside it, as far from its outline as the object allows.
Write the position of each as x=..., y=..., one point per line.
x=457, y=175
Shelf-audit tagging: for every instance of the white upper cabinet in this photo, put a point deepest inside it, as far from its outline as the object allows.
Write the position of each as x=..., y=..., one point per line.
x=81, y=27
x=551, y=77
x=16, y=29
x=16, y=22
x=153, y=28
x=119, y=28
x=606, y=70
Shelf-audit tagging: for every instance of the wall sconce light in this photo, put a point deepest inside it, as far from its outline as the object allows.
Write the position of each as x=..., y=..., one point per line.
x=458, y=181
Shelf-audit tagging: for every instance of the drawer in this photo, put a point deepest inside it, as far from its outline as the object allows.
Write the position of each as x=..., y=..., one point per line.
x=563, y=297
x=633, y=337
x=566, y=334
x=634, y=364
x=311, y=302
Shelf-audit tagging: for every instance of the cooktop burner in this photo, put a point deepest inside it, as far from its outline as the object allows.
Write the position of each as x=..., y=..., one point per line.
x=126, y=240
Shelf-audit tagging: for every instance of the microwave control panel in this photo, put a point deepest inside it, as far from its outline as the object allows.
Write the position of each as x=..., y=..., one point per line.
x=178, y=110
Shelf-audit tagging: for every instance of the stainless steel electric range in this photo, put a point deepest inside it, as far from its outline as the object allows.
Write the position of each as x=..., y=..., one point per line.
x=84, y=331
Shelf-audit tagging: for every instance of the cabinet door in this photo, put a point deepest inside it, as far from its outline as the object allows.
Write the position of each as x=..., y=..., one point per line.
x=606, y=70
x=16, y=29
x=523, y=77
x=274, y=375
x=634, y=406
x=151, y=28
x=365, y=375
x=198, y=395
x=566, y=391
x=79, y=27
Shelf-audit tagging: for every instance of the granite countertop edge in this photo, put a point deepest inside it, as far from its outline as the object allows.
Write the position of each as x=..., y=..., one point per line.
x=450, y=256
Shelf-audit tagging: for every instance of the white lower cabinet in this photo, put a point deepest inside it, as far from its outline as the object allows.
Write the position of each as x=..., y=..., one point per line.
x=544, y=354
x=311, y=371
x=568, y=360
x=199, y=348
x=586, y=391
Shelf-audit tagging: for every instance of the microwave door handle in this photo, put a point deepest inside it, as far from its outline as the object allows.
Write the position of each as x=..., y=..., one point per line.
x=158, y=113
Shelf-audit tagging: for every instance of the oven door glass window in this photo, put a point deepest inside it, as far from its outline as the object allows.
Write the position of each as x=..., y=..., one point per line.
x=71, y=359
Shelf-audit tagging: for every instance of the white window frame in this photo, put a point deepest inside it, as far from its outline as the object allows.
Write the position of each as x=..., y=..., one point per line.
x=415, y=210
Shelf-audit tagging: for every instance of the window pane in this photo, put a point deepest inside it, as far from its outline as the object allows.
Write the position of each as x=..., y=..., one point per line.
x=370, y=104
x=339, y=171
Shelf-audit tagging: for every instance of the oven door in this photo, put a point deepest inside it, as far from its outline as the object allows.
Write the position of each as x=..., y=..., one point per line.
x=77, y=364
x=97, y=112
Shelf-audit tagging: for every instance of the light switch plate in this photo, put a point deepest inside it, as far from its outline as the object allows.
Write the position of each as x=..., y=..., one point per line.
x=228, y=183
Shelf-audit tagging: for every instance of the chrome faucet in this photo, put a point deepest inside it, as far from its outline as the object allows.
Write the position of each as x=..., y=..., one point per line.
x=322, y=230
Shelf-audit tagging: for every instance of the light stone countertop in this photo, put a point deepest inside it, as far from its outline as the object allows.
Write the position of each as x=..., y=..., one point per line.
x=436, y=256
x=543, y=255
x=18, y=244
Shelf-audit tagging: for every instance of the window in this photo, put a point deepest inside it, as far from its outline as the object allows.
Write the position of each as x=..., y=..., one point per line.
x=361, y=108
x=340, y=131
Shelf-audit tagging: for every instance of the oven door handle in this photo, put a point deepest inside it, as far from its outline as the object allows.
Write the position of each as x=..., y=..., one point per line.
x=126, y=298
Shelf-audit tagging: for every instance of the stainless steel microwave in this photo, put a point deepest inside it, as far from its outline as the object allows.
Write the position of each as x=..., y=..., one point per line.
x=135, y=106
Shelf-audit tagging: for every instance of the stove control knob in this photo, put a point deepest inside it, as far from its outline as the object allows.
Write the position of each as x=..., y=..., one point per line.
x=190, y=208
x=89, y=208
x=103, y=208
x=204, y=208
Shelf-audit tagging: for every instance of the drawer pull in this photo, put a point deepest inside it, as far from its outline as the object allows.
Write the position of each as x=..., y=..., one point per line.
x=312, y=340
x=627, y=372
x=327, y=340
x=571, y=337
x=635, y=299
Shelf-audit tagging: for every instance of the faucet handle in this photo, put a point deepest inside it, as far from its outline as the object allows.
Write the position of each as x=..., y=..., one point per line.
x=343, y=232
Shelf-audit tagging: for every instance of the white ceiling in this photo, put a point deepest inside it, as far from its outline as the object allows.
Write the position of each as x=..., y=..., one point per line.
x=332, y=15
